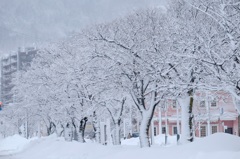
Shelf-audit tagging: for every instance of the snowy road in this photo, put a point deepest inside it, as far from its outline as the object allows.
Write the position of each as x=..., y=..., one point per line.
x=6, y=157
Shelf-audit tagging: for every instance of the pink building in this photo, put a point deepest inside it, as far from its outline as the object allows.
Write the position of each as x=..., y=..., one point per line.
x=213, y=112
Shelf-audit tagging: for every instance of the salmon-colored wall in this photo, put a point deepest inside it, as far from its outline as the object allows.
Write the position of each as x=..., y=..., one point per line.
x=224, y=101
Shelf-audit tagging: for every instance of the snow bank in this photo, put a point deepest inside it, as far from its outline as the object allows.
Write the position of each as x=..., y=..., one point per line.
x=58, y=148
x=158, y=140
x=220, y=146
x=131, y=141
x=218, y=142
x=12, y=144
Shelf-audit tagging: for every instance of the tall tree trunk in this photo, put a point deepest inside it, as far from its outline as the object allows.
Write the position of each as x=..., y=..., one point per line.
x=144, y=128
x=147, y=115
x=117, y=133
x=82, y=129
x=146, y=111
x=117, y=122
x=68, y=132
x=96, y=127
x=51, y=129
x=74, y=131
x=184, y=103
x=187, y=117
x=190, y=116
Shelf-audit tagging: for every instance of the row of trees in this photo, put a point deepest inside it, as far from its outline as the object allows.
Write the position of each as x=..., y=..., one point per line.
x=141, y=60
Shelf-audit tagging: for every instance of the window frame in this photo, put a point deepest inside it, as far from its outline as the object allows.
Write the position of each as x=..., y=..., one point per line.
x=202, y=134
x=212, y=129
x=174, y=126
x=164, y=128
x=213, y=101
x=155, y=131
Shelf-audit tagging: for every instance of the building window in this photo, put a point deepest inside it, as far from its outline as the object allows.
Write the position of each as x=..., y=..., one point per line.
x=174, y=130
x=203, y=131
x=214, y=129
x=174, y=104
x=202, y=104
x=229, y=130
x=163, y=130
x=214, y=103
x=155, y=131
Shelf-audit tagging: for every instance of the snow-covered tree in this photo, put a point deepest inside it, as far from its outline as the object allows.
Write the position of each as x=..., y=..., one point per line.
x=136, y=46
x=227, y=16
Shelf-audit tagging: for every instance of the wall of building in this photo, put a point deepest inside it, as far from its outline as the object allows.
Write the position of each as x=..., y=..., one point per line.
x=10, y=64
x=222, y=114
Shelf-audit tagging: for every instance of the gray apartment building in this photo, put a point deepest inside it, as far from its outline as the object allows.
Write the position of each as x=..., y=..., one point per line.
x=10, y=64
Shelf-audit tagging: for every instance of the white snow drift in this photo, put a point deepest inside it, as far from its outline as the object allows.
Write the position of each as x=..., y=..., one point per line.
x=217, y=146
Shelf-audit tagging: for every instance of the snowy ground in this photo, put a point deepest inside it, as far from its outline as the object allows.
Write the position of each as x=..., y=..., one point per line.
x=217, y=146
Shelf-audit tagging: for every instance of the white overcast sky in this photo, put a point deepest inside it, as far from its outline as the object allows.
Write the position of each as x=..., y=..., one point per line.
x=25, y=22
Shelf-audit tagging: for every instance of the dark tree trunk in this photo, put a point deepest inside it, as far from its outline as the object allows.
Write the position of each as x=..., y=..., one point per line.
x=190, y=121
x=51, y=129
x=82, y=129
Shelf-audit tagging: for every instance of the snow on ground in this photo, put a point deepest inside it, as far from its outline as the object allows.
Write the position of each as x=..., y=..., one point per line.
x=12, y=144
x=158, y=140
x=219, y=146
